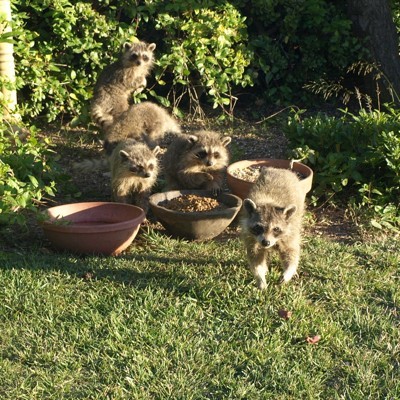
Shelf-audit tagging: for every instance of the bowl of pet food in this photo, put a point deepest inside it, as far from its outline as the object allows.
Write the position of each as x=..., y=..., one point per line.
x=92, y=227
x=194, y=214
x=241, y=175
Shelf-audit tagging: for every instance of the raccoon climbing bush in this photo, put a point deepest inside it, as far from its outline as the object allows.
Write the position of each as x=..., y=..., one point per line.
x=27, y=173
x=61, y=48
x=357, y=155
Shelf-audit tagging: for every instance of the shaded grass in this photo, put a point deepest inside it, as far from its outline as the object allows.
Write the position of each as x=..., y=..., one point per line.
x=177, y=320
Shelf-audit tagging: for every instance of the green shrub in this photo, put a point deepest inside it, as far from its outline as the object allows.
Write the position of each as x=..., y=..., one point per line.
x=296, y=42
x=357, y=155
x=63, y=46
x=206, y=49
x=27, y=173
x=206, y=52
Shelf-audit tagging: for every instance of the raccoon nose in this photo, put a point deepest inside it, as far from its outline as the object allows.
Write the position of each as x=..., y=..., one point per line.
x=210, y=163
x=147, y=175
x=265, y=242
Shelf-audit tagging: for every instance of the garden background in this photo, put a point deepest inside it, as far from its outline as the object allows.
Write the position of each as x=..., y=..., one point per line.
x=312, y=80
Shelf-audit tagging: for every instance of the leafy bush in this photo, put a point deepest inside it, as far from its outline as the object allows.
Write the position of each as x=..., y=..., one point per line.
x=296, y=42
x=27, y=173
x=63, y=46
x=206, y=52
x=359, y=152
x=209, y=49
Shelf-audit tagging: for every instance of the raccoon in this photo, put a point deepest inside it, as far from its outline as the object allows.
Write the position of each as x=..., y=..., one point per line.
x=134, y=169
x=197, y=161
x=271, y=219
x=115, y=85
x=144, y=121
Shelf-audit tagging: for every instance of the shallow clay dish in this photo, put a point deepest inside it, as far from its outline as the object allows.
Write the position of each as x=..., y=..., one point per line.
x=241, y=187
x=201, y=225
x=93, y=227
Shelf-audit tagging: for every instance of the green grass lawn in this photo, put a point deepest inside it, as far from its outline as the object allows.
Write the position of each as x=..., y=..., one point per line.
x=180, y=320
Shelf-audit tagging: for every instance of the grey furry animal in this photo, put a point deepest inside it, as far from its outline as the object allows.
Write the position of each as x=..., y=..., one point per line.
x=197, y=161
x=115, y=85
x=145, y=121
x=271, y=219
x=134, y=170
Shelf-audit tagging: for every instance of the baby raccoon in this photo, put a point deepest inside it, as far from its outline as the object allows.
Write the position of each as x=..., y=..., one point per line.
x=197, y=161
x=115, y=85
x=134, y=170
x=146, y=121
x=271, y=219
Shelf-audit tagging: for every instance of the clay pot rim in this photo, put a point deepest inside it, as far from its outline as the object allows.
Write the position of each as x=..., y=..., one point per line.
x=198, y=215
x=72, y=228
x=275, y=162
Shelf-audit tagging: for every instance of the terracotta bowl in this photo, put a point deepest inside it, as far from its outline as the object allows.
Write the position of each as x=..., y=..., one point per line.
x=202, y=225
x=93, y=227
x=241, y=187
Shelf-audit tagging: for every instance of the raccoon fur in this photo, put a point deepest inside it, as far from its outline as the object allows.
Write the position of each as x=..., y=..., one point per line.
x=197, y=161
x=134, y=169
x=144, y=121
x=271, y=219
x=115, y=85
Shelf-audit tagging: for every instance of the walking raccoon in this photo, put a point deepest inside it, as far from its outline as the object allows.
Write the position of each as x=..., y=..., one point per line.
x=134, y=169
x=271, y=219
x=115, y=85
x=197, y=161
x=144, y=121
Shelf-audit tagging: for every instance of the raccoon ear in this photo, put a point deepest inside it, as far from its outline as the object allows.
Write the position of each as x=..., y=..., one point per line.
x=226, y=140
x=249, y=206
x=151, y=47
x=193, y=139
x=289, y=211
x=126, y=46
x=124, y=154
x=156, y=150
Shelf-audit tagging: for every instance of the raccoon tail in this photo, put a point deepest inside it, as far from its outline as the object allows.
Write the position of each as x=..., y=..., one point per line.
x=100, y=117
x=91, y=165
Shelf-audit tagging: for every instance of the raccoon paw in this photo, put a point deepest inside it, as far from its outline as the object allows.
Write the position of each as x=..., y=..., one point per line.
x=288, y=275
x=261, y=283
x=208, y=177
x=215, y=188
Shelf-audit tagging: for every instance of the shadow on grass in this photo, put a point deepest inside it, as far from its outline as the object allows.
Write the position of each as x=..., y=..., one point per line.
x=161, y=272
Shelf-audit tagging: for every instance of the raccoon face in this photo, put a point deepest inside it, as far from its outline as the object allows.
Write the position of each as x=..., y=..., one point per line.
x=142, y=169
x=267, y=223
x=136, y=54
x=210, y=156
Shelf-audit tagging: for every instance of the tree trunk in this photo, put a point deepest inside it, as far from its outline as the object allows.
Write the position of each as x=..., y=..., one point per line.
x=7, y=70
x=374, y=24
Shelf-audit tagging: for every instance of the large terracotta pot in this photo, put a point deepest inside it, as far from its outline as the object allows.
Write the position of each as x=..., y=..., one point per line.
x=92, y=227
x=241, y=187
x=202, y=225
